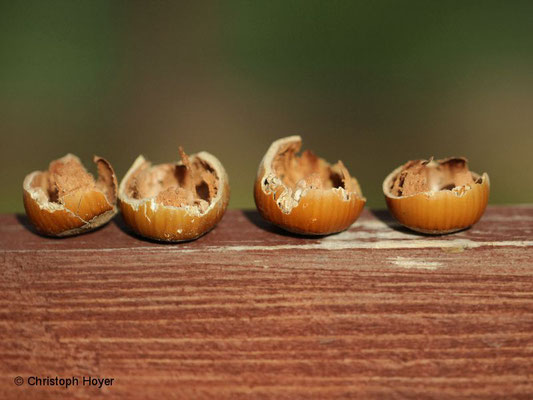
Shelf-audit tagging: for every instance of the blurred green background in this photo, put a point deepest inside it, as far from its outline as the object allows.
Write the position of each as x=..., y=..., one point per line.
x=373, y=83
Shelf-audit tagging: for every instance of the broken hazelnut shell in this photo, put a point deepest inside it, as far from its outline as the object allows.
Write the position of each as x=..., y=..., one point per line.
x=66, y=200
x=174, y=202
x=304, y=194
x=436, y=197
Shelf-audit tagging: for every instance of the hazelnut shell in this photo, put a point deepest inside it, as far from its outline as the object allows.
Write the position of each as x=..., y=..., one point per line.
x=316, y=212
x=442, y=211
x=151, y=219
x=77, y=212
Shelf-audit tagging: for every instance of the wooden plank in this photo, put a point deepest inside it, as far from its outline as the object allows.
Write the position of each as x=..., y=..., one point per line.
x=250, y=311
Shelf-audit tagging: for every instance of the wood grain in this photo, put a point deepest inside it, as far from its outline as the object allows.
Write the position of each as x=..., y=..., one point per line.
x=248, y=311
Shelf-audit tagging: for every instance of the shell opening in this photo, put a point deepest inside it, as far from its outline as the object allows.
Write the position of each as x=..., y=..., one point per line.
x=428, y=176
x=309, y=171
x=67, y=177
x=192, y=183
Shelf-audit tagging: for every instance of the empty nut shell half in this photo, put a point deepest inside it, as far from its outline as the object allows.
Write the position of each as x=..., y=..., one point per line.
x=174, y=202
x=436, y=197
x=66, y=200
x=304, y=194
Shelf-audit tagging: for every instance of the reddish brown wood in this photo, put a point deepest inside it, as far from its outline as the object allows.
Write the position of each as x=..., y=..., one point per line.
x=248, y=311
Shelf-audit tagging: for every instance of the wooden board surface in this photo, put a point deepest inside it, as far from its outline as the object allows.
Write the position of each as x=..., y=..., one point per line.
x=248, y=311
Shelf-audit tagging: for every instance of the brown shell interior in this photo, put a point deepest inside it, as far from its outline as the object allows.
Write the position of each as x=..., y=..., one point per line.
x=310, y=171
x=67, y=176
x=420, y=176
x=190, y=183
